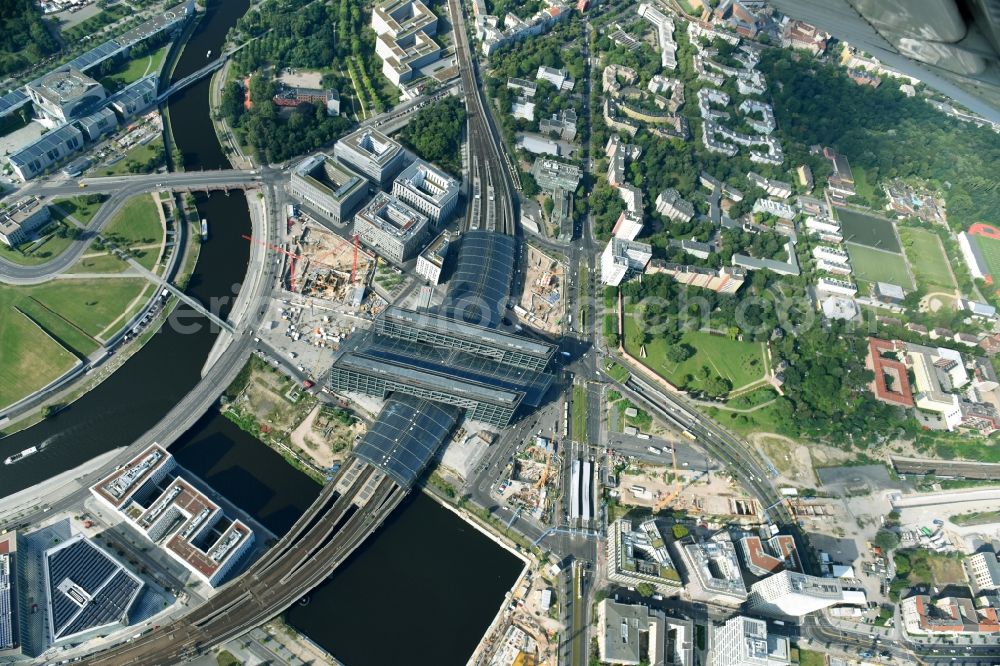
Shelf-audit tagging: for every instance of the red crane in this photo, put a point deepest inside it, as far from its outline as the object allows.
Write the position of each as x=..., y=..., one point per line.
x=291, y=255
x=354, y=270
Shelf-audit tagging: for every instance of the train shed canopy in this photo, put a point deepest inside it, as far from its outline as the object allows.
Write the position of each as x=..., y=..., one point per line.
x=480, y=285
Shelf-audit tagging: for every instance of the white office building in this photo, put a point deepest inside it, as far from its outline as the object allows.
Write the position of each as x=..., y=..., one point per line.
x=327, y=187
x=391, y=228
x=622, y=256
x=794, y=594
x=372, y=154
x=744, y=641
x=427, y=189
x=20, y=219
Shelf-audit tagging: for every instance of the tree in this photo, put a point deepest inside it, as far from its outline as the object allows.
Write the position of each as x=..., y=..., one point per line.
x=680, y=531
x=645, y=589
x=529, y=187
x=679, y=353
x=886, y=540
x=548, y=205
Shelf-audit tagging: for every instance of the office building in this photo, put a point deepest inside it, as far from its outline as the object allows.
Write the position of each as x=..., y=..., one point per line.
x=20, y=219
x=65, y=94
x=372, y=154
x=97, y=124
x=135, y=98
x=620, y=257
x=391, y=228
x=88, y=590
x=639, y=555
x=744, y=641
x=150, y=494
x=715, y=569
x=984, y=571
x=557, y=77
x=11, y=566
x=428, y=189
x=46, y=151
x=327, y=187
x=431, y=260
x=794, y=594
x=552, y=174
x=764, y=557
x=404, y=30
x=562, y=123
x=633, y=634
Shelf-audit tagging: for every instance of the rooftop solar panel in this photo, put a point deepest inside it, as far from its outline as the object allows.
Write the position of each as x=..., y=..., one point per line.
x=13, y=101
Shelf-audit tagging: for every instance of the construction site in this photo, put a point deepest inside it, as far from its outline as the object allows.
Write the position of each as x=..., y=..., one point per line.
x=542, y=303
x=699, y=493
x=531, y=475
x=319, y=264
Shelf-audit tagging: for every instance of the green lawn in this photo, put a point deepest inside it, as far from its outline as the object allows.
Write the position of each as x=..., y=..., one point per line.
x=762, y=420
x=740, y=362
x=137, y=223
x=871, y=265
x=135, y=69
x=927, y=259
x=861, y=184
x=105, y=263
x=140, y=156
x=80, y=208
x=48, y=245
x=31, y=359
x=867, y=230
x=990, y=247
x=810, y=658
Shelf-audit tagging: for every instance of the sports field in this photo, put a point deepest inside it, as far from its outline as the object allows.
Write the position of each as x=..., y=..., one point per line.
x=871, y=265
x=869, y=230
x=990, y=248
x=740, y=362
x=927, y=259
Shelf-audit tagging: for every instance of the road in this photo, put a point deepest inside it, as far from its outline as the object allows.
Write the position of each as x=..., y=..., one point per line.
x=121, y=189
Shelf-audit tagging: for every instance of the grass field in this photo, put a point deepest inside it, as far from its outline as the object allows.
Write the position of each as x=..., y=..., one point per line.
x=861, y=184
x=73, y=312
x=31, y=359
x=739, y=362
x=105, y=263
x=138, y=223
x=141, y=154
x=46, y=247
x=990, y=248
x=134, y=70
x=871, y=265
x=867, y=230
x=79, y=208
x=927, y=259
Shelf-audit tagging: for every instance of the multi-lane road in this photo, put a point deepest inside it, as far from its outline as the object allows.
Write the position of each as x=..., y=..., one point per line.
x=120, y=189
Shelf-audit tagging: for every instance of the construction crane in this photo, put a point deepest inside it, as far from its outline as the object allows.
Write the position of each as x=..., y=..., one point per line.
x=545, y=473
x=678, y=486
x=291, y=255
x=321, y=259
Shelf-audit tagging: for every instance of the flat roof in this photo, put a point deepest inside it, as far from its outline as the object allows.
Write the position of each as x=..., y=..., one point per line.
x=374, y=144
x=405, y=436
x=49, y=141
x=446, y=325
x=88, y=588
x=14, y=215
x=62, y=85
x=119, y=486
x=427, y=182
x=325, y=173
x=392, y=216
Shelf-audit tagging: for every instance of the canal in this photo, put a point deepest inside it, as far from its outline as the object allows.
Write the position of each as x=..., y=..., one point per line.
x=426, y=577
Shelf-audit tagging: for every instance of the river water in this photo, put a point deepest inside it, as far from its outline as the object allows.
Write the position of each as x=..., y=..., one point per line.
x=426, y=579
